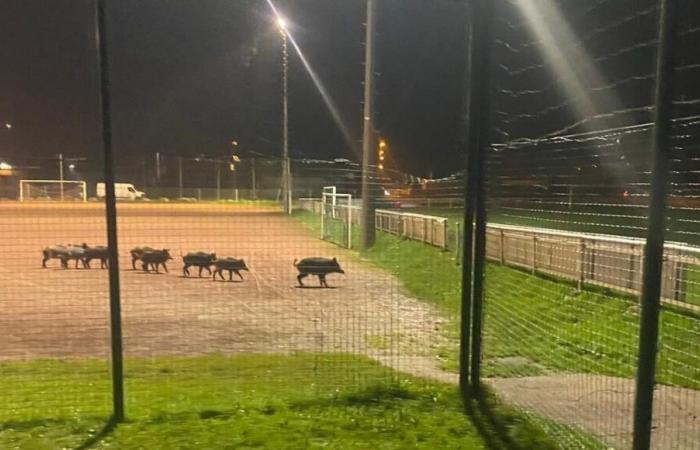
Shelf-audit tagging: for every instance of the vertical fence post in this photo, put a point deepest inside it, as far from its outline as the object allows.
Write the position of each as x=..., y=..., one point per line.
x=534, y=254
x=581, y=264
x=458, y=242
x=480, y=102
x=503, y=247
x=111, y=216
x=475, y=207
x=653, y=252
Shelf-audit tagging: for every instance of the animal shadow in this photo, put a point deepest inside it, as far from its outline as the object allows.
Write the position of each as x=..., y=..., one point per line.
x=315, y=287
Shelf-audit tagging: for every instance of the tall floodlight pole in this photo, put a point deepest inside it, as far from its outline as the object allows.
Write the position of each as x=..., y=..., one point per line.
x=368, y=159
x=286, y=181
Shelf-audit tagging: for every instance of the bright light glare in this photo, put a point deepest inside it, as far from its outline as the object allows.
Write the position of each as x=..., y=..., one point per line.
x=327, y=99
x=5, y=166
x=71, y=166
x=8, y=125
x=282, y=23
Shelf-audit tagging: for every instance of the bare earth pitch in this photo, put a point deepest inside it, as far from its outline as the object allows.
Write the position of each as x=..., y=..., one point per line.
x=64, y=313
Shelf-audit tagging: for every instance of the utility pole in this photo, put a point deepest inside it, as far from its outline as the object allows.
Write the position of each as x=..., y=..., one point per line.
x=252, y=178
x=60, y=172
x=179, y=165
x=368, y=154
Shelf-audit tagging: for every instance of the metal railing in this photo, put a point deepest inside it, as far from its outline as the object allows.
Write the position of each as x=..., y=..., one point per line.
x=431, y=230
x=607, y=261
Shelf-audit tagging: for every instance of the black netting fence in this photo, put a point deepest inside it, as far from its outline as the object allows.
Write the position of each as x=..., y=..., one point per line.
x=255, y=313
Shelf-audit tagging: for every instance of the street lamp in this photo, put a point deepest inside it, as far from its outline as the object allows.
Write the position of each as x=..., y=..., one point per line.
x=286, y=177
x=8, y=125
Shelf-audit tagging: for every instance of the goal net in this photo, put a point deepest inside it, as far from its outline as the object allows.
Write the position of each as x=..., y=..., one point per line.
x=52, y=190
x=337, y=217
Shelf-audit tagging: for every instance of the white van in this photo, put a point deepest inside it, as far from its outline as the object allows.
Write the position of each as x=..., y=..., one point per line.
x=121, y=191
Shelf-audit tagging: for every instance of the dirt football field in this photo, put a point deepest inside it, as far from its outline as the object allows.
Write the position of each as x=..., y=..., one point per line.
x=57, y=312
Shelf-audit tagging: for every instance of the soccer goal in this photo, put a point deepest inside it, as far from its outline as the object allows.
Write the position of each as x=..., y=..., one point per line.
x=52, y=190
x=336, y=217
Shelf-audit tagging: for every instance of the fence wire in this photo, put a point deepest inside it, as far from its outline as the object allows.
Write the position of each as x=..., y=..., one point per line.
x=568, y=184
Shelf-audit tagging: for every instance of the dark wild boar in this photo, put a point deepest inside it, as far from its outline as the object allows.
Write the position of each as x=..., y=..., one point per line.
x=97, y=252
x=155, y=258
x=137, y=253
x=317, y=266
x=199, y=259
x=231, y=265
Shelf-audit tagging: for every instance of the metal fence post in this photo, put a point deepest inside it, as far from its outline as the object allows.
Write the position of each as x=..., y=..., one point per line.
x=480, y=111
x=581, y=264
x=503, y=247
x=474, y=211
x=111, y=217
x=654, y=249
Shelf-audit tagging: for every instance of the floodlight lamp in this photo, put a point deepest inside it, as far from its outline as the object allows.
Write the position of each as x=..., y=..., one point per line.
x=282, y=24
x=5, y=166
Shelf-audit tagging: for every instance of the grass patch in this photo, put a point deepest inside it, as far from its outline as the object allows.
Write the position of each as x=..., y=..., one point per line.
x=250, y=401
x=691, y=280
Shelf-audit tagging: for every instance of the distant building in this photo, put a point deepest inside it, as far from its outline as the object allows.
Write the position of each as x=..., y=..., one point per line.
x=9, y=180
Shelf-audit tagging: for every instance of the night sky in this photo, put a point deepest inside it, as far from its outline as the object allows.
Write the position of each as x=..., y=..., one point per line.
x=189, y=76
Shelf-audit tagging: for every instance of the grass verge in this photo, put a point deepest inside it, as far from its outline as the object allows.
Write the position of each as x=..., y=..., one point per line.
x=300, y=401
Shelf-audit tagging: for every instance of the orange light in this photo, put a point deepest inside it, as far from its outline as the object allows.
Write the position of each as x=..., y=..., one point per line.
x=381, y=166
x=382, y=143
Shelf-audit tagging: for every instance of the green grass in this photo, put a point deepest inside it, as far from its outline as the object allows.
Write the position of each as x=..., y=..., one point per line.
x=691, y=287
x=300, y=401
x=534, y=325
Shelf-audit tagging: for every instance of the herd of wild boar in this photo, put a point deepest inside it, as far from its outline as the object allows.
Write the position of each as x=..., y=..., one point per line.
x=152, y=259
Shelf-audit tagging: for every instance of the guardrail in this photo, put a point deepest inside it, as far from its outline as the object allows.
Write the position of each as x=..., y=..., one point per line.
x=601, y=260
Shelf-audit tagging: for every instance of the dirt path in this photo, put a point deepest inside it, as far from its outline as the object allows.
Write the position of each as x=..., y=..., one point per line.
x=585, y=401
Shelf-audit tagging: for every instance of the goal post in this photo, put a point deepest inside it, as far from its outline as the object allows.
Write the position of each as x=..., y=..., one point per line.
x=336, y=217
x=66, y=190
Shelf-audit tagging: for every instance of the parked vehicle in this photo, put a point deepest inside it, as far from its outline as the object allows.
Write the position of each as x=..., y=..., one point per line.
x=123, y=191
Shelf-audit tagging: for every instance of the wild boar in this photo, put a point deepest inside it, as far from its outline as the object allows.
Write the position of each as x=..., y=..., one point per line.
x=97, y=252
x=199, y=259
x=231, y=265
x=155, y=258
x=64, y=253
x=317, y=266
x=137, y=253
